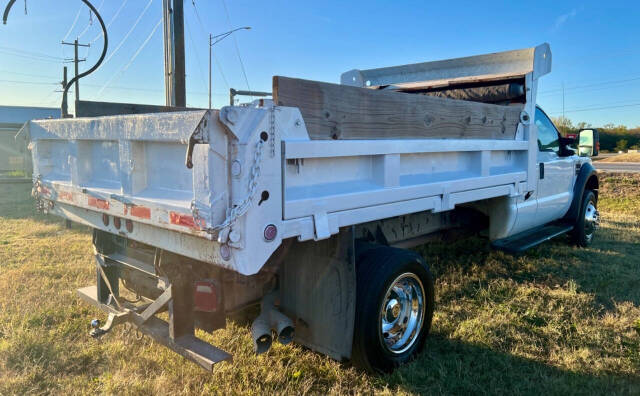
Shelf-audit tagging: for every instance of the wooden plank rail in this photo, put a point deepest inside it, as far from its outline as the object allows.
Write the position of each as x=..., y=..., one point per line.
x=333, y=111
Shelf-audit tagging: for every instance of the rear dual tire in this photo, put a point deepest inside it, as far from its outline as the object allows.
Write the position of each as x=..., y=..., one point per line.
x=394, y=308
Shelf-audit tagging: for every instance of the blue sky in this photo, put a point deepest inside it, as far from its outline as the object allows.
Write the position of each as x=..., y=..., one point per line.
x=594, y=44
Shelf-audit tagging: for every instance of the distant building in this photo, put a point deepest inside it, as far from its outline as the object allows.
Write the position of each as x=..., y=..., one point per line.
x=15, y=159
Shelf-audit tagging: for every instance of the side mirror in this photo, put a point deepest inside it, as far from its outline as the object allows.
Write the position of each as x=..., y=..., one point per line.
x=588, y=143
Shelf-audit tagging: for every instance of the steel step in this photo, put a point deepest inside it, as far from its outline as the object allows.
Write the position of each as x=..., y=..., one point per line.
x=189, y=346
x=520, y=242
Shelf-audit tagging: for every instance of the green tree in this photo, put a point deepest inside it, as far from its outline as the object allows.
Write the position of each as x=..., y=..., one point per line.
x=583, y=125
x=621, y=145
x=563, y=124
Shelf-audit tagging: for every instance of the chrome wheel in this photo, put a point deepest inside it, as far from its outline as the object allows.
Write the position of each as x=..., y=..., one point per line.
x=402, y=313
x=591, y=221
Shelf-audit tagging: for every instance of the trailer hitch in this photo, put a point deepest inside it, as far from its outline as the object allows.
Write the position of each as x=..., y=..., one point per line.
x=112, y=320
x=178, y=334
x=137, y=316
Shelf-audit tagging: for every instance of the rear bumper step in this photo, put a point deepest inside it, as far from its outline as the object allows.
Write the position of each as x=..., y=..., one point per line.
x=189, y=346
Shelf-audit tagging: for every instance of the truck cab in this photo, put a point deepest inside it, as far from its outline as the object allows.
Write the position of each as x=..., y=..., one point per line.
x=565, y=172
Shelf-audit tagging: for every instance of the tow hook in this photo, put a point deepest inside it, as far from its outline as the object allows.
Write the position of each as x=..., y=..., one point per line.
x=96, y=332
x=113, y=319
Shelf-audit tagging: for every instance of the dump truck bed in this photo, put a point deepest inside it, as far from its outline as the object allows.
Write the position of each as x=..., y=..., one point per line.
x=323, y=156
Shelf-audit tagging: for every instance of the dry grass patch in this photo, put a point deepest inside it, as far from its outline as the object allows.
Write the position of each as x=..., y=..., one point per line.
x=556, y=320
x=626, y=157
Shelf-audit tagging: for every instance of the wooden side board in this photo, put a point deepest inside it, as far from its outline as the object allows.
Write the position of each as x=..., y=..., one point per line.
x=333, y=111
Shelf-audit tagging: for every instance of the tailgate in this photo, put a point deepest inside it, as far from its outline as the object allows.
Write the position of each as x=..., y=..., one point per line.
x=132, y=167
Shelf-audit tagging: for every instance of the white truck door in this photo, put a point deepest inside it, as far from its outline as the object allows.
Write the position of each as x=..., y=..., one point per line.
x=555, y=183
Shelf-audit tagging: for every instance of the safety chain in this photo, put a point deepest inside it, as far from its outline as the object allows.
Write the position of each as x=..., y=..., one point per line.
x=35, y=193
x=272, y=130
x=237, y=211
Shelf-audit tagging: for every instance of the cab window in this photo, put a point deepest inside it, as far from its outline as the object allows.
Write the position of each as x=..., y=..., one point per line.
x=547, y=133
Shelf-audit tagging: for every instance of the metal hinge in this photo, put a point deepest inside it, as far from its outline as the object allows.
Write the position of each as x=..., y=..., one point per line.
x=321, y=225
x=199, y=136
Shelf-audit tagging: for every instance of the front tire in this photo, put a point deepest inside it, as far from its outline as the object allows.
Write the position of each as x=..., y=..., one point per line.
x=394, y=308
x=588, y=220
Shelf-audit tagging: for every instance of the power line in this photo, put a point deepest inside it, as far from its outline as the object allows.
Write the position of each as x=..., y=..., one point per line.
x=29, y=82
x=30, y=57
x=135, y=55
x=235, y=41
x=47, y=98
x=31, y=53
x=195, y=51
x=115, y=87
x=90, y=21
x=26, y=74
x=73, y=24
x=578, y=110
x=126, y=36
x=113, y=18
x=195, y=8
x=215, y=57
x=579, y=87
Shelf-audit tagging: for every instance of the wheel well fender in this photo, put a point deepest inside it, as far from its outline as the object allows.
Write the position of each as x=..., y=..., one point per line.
x=587, y=180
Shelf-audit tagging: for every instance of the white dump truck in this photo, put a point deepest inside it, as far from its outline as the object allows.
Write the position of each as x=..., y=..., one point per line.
x=306, y=204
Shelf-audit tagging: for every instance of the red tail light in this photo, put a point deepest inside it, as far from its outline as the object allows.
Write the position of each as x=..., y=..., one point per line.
x=205, y=296
x=129, y=225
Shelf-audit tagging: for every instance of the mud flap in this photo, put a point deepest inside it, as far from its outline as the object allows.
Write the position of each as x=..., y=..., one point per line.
x=318, y=290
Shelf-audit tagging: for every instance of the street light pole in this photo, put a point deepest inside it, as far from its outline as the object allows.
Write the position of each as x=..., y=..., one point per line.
x=218, y=38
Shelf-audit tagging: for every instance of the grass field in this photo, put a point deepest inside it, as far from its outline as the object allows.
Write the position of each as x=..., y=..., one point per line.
x=558, y=320
x=626, y=157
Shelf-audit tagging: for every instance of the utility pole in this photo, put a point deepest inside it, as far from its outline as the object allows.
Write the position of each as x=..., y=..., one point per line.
x=210, y=47
x=64, y=84
x=76, y=60
x=174, y=69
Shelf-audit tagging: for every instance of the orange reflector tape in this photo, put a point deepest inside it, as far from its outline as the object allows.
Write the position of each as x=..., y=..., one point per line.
x=98, y=203
x=182, y=219
x=141, y=211
x=67, y=196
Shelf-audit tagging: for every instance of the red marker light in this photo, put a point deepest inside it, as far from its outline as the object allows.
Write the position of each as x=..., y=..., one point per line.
x=270, y=232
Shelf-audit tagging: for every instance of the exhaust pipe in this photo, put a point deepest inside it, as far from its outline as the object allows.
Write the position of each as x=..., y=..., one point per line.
x=282, y=325
x=261, y=333
x=270, y=319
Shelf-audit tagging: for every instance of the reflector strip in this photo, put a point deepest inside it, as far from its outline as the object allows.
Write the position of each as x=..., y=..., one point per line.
x=67, y=196
x=141, y=211
x=182, y=219
x=98, y=203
